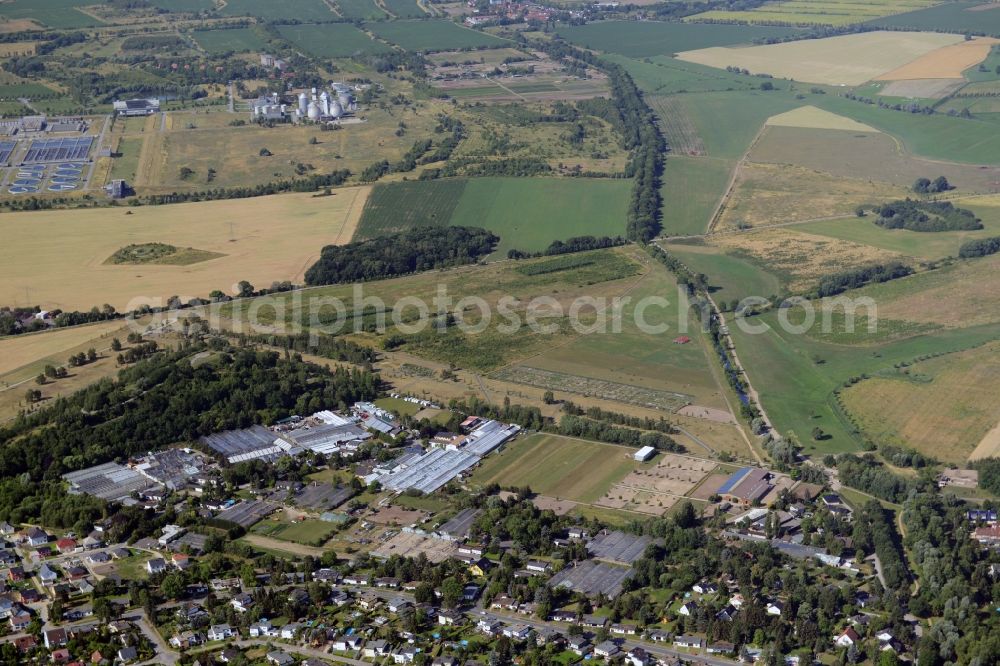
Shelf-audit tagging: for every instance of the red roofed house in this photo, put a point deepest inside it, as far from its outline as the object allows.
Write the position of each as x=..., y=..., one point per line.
x=66, y=545
x=848, y=638
x=61, y=656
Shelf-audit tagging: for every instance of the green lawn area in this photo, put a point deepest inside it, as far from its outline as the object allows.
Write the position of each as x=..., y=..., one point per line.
x=663, y=75
x=398, y=405
x=432, y=35
x=728, y=121
x=134, y=567
x=637, y=39
x=692, y=187
x=302, y=10
x=527, y=213
x=729, y=277
x=127, y=164
x=308, y=532
x=25, y=89
x=557, y=466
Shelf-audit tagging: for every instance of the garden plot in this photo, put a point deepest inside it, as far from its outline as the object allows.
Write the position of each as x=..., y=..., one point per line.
x=605, y=390
x=655, y=489
x=410, y=544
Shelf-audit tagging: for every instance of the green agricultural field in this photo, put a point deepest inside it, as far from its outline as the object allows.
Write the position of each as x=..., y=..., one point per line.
x=946, y=17
x=359, y=9
x=692, y=187
x=52, y=13
x=26, y=89
x=433, y=35
x=558, y=467
x=813, y=12
x=331, y=40
x=307, y=532
x=797, y=375
x=637, y=39
x=728, y=121
x=184, y=5
x=404, y=9
x=398, y=405
x=302, y=10
x=234, y=39
x=527, y=213
x=662, y=75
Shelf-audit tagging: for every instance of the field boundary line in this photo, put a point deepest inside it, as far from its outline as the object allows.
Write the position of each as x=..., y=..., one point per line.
x=731, y=187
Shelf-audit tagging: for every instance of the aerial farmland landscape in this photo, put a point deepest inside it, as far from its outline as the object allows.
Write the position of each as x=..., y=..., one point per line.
x=531, y=332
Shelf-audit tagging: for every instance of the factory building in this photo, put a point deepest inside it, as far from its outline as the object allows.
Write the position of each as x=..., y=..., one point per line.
x=136, y=107
x=268, y=107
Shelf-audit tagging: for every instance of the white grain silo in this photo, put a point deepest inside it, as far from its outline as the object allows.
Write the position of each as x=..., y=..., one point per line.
x=324, y=103
x=345, y=100
x=303, y=103
x=313, y=111
x=336, y=110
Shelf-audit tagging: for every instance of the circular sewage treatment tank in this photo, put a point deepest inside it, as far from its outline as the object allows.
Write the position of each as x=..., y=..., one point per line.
x=61, y=187
x=26, y=182
x=69, y=165
x=63, y=181
x=22, y=189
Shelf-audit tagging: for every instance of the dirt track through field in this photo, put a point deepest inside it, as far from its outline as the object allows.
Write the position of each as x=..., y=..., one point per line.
x=989, y=445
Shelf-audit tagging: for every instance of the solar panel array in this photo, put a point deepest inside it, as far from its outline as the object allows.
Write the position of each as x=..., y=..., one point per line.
x=55, y=150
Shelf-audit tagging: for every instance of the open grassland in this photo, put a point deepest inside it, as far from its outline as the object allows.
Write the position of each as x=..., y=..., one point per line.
x=527, y=214
x=942, y=407
x=729, y=277
x=643, y=353
x=403, y=9
x=909, y=89
x=796, y=375
x=433, y=35
x=637, y=39
x=234, y=39
x=964, y=294
x=678, y=129
x=126, y=164
x=802, y=259
x=842, y=60
x=52, y=13
x=957, y=17
x=302, y=10
x=915, y=244
x=559, y=467
x=59, y=255
x=331, y=40
x=234, y=152
x=51, y=347
x=816, y=12
x=866, y=156
x=947, y=62
x=307, y=532
x=769, y=194
x=692, y=187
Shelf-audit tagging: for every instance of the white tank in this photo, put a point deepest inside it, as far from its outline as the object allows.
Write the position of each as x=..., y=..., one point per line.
x=303, y=103
x=324, y=103
x=336, y=110
x=345, y=100
x=313, y=111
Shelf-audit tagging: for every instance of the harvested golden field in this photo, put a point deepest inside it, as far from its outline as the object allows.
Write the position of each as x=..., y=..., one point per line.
x=943, y=407
x=56, y=258
x=768, y=194
x=947, y=62
x=20, y=350
x=843, y=60
x=816, y=118
x=801, y=259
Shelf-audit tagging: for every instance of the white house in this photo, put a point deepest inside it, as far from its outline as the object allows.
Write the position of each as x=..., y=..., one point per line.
x=220, y=632
x=156, y=565
x=688, y=609
x=775, y=608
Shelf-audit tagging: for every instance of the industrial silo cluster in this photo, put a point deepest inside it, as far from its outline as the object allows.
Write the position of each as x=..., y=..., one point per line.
x=324, y=106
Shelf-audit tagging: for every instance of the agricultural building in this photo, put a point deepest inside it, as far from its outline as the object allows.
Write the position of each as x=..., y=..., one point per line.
x=746, y=486
x=644, y=454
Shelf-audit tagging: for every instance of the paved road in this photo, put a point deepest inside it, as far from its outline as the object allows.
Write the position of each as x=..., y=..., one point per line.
x=309, y=652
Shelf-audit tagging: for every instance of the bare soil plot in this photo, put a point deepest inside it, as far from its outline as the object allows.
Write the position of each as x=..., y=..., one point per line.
x=814, y=117
x=922, y=88
x=766, y=194
x=988, y=446
x=558, y=507
x=802, y=258
x=408, y=544
x=709, y=413
x=708, y=486
x=843, y=60
x=865, y=155
x=943, y=407
x=656, y=488
x=58, y=255
x=947, y=62
x=395, y=515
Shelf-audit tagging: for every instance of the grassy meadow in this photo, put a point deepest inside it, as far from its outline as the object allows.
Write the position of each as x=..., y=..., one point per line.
x=233, y=39
x=433, y=35
x=331, y=40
